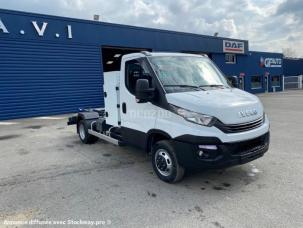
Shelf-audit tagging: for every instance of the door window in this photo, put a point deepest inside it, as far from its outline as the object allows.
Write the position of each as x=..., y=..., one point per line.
x=135, y=69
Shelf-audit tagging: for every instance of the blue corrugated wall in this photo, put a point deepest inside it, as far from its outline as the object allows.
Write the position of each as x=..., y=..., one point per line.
x=293, y=67
x=39, y=78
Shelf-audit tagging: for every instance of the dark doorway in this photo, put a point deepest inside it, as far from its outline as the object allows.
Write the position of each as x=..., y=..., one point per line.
x=111, y=56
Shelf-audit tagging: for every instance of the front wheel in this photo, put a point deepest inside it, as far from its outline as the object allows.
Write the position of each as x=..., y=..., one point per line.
x=84, y=136
x=165, y=162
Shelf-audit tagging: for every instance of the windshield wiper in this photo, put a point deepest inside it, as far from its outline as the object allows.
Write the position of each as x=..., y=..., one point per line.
x=185, y=86
x=213, y=85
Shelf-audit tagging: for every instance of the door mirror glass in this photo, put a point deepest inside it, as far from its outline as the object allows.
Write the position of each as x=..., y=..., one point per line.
x=143, y=91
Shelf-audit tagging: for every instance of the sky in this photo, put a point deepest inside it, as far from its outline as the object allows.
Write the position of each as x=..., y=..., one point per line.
x=269, y=25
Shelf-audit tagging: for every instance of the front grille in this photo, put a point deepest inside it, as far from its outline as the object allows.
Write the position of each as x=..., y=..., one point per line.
x=236, y=128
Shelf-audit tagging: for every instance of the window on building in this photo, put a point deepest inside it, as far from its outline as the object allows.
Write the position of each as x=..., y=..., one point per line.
x=275, y=81
x=256, y=82
x=230, y=58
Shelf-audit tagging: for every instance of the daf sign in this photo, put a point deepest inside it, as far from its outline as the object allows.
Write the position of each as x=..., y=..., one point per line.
x=231, y=46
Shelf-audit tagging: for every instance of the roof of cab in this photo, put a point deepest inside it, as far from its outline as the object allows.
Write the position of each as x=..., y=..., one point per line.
x=150, y=54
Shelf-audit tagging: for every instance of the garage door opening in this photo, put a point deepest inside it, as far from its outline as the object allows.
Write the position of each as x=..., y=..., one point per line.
x=111, y=56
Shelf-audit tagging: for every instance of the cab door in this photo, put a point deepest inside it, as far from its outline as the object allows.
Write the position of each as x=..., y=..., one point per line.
x=136, y=118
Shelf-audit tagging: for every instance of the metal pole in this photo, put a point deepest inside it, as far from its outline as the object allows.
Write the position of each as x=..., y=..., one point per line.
x=283, y=86
x=300, y=81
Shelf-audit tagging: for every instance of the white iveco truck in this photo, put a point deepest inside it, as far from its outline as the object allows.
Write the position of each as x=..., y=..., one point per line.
x=181, y=110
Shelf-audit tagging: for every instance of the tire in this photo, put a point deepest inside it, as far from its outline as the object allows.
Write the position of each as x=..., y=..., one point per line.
x=165, y=162
x=84, y=136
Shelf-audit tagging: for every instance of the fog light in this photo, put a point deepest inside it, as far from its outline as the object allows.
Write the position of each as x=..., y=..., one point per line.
x=208, y=147
x=207, y=151
x=204, y=154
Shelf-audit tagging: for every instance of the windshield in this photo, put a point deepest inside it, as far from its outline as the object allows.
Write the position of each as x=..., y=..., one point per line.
x=179, y=73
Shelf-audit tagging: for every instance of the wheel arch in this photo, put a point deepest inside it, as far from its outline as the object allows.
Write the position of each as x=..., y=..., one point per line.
x=86, y=116
x=153, y=136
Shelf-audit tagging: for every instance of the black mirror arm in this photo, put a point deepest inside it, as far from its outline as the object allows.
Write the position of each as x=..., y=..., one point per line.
x=150, y=90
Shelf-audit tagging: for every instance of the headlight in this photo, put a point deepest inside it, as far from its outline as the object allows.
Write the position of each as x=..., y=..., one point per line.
x=194, y=117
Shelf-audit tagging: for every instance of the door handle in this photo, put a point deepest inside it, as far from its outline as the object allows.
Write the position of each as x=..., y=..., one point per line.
x=124, y=107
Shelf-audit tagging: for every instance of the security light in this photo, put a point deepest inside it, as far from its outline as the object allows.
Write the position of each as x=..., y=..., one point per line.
x=96, y=17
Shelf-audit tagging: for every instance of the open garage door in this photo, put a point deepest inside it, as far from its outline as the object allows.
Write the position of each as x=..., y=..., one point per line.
x=111, y=56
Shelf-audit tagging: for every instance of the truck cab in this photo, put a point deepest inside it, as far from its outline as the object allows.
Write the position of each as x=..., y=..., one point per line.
x=180, y=109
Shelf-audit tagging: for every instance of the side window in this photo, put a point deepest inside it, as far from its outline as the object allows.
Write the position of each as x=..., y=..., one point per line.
x=135, y=69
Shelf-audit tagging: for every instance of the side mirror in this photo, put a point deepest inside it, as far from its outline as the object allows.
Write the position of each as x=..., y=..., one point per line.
x=235, y=81
x=143, y=92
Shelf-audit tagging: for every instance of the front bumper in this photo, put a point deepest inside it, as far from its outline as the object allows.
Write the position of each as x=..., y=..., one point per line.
x=227, y=154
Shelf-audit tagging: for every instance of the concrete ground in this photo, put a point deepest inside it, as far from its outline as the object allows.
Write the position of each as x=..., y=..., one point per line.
x=48, y=175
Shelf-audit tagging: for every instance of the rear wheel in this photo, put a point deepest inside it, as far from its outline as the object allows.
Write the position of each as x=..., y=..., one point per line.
x=165, y=162
x=84, y=136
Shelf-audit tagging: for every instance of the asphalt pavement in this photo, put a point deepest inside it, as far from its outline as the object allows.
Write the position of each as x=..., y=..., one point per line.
x=48, y=176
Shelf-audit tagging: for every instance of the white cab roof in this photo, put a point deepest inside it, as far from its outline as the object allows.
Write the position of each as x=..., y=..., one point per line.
x=149, y=54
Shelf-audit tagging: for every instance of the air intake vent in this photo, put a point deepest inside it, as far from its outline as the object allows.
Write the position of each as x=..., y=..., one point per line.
x=236, y=128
